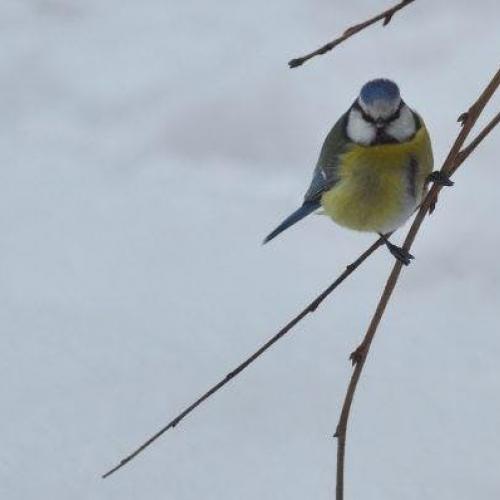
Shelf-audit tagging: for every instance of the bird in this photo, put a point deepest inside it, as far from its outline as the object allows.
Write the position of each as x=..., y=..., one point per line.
x=374, y=167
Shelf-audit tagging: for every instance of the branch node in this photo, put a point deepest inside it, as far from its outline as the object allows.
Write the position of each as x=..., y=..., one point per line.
x=463, y=118
x=387, y=19
x=358, y=355
x=350, y=31
x=314, y=305
x=340, y=430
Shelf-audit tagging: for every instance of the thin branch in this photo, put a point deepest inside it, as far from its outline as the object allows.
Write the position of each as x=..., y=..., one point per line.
x=455, y=157
x=386, y=16
x=309, y=309
x=465, y=152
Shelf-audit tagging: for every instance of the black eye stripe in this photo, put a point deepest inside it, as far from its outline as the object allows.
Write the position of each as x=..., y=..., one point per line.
x=369, y=119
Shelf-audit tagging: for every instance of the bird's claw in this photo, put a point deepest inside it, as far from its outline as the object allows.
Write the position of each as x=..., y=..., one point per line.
x=438, y=177
x=400, y=253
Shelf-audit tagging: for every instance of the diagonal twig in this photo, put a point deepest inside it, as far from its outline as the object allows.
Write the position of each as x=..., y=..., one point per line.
x=308, y=309
x=386, y=16
x=465, y=152
x=455, y=157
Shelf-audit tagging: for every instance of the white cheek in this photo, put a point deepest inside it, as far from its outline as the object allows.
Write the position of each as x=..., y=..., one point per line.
x=358, y=130
x=403, y=127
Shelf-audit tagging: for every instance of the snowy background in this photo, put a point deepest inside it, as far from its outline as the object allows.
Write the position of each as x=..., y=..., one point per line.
x=146, y=148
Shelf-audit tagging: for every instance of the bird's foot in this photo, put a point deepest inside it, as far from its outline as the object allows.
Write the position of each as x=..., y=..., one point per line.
x=400, y=253
x=438, y=177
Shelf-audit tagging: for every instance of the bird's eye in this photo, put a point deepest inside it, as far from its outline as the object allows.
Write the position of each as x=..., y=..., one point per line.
x=379, y=122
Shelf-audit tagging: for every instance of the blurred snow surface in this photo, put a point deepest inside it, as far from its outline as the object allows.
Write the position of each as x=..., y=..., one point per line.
x=146, y=148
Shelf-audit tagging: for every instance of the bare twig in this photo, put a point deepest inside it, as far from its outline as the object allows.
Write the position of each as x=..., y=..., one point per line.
x=386, y=16
x=465, y=152
x=309, y=309
x=455, y=157
x=341, y=428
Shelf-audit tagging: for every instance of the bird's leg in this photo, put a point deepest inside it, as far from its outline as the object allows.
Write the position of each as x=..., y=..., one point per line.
x=400, y=253
x=440, y=178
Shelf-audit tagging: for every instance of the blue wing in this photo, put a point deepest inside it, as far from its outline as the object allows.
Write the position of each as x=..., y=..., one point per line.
x=324, y=177
x=307, y=208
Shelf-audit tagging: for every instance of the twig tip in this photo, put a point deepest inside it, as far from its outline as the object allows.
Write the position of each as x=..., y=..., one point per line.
x=386, y=16
x=295, y=63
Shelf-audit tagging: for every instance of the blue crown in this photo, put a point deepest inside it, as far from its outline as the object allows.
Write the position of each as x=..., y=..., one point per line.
x=379, y=89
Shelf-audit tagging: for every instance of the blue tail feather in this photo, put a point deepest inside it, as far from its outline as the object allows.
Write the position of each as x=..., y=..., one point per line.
x=307, y=208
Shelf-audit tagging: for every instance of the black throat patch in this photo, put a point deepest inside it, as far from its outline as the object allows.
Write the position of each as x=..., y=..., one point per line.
x=383, y=138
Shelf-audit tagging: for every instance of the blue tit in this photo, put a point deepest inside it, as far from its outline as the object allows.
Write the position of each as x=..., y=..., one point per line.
x=374, y=167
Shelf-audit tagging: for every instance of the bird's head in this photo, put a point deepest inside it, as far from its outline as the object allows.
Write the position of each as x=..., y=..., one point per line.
x=379, y=100
x=379, y=115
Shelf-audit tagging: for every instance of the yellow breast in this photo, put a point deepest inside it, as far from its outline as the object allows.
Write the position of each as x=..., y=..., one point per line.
x=379, y=187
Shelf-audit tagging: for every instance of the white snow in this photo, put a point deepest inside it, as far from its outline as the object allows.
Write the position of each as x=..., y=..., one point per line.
x=146, y=148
